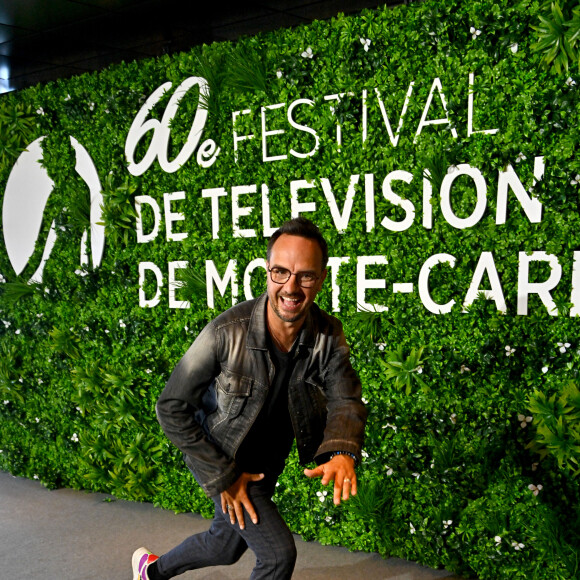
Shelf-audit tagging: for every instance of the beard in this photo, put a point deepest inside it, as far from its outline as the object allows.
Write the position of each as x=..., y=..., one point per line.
x=285, y=317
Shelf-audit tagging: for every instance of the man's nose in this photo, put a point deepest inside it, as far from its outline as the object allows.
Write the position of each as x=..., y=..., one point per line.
x=292, y=285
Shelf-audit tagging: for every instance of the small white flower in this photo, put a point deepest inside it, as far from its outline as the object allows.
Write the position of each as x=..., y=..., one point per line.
x=122, y=324
x=307, y=53
x=6, y=402
x=517, y=546
x=497, y=540
x=464, y=369
x=576, y=180
x=474, y=32
x=509, y=350
x=107, y=111
x=366, y=42
x=75, y=438
x=412, y=528
x=47, y=290
x=520, y=157
x=80, y=272
x=389, y=426
x=40, y=111
x=365, y=401
x=328, y=519
x=389, y=470
x=6, y=323
x=40, y=381
x=87, y=329
x=563, y=346
x=514, y=47
x=279, y=74
x=35, y=476
x=453, y=418
x=148, y=371
x=536, y=489
x=544, y=370
x=447, y=523
x=18, y=331
x=21, y=380
x=419, y=370
x=67, y=98
x=365, y=454
x=380, y=345
x=321, y=495
x=37, y=420
x=524, y=420
x=106, y=331
x=570, y=82
x=91, y=106
x=452, y=169
x=2, y=279
x=416, y=475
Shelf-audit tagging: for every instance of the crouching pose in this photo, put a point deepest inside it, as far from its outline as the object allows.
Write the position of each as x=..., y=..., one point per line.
x=263, y=373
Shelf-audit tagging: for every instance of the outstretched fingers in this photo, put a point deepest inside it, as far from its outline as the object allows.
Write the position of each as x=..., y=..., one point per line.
x=339, y=469
x=235, y=499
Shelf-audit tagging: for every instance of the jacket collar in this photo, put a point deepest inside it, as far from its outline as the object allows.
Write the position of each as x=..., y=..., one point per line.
x=256, y=337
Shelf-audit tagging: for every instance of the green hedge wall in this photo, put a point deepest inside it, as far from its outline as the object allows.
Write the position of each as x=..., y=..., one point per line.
x=473, y=439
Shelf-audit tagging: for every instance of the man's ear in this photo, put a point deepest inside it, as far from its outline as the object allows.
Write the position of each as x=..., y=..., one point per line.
x=323, y=276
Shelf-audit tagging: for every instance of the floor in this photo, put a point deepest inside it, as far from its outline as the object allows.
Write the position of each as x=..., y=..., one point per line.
x=73, y=535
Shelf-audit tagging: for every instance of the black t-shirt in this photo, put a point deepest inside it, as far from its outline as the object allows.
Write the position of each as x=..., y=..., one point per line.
x=268, y=443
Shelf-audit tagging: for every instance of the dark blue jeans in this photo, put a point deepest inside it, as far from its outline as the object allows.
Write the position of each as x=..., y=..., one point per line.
x=224, y=543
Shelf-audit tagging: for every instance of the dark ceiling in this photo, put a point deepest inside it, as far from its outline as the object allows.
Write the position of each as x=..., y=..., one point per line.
x=42, y=40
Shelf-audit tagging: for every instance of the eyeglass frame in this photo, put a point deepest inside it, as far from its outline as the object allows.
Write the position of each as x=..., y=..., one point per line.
x=290, y=274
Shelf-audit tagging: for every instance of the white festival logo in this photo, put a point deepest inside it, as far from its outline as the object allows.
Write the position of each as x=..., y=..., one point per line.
x=27, y=191
x=207, y=151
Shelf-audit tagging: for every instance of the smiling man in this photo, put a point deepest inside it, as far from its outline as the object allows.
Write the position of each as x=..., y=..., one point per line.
x=264, y=373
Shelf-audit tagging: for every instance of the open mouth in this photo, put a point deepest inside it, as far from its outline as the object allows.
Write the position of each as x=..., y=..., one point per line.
x=290, y=303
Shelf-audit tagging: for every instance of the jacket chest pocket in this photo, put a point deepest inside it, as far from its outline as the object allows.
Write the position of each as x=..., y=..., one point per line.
x=232, y=392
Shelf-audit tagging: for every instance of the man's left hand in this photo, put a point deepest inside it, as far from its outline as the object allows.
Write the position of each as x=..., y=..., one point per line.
x=340, y=469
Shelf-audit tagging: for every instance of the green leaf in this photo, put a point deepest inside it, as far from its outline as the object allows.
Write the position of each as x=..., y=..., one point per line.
x=556, y=39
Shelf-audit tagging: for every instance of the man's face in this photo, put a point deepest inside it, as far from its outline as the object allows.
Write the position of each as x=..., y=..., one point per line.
x=290, y=302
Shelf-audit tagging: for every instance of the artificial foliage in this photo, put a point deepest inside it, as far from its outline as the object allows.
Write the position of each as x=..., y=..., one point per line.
x=472, y=445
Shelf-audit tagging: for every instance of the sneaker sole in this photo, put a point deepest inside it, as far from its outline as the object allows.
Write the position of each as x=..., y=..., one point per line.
x=137, y=555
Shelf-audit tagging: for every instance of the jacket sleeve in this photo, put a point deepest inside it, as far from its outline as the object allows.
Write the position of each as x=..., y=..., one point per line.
x=179, y=407
x=346, y=414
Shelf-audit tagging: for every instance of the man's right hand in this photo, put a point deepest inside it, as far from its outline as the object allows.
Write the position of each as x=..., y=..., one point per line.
x=236, y=498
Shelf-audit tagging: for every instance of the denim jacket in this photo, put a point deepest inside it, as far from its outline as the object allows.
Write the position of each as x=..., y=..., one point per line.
x=218, y=388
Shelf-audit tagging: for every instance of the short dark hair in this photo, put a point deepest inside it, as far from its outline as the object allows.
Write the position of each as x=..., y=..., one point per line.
x=303, y=228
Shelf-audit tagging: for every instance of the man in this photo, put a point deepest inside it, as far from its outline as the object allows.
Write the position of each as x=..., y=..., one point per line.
x=264, y=372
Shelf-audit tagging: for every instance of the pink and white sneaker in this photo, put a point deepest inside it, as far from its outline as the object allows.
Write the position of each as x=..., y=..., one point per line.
x=141, y=559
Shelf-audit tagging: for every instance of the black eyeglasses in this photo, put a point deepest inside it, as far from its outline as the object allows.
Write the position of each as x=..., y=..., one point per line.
x=282, y=275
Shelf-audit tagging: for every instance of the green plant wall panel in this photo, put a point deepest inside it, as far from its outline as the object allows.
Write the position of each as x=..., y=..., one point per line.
x=435, y=145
